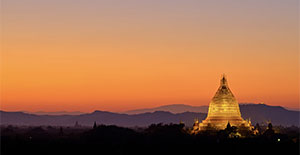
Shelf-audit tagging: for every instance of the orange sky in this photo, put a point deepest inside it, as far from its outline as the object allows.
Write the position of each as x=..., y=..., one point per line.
x=116, y=55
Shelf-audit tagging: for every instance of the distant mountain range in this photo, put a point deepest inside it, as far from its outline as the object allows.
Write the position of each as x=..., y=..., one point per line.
x=173, y=108
x=56, y=113
x=180, y=108
x=258, y=113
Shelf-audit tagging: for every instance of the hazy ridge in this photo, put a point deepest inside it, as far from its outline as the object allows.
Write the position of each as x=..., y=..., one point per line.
x=258, y=113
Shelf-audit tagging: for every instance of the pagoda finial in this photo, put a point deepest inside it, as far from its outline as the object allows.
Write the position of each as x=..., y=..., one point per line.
x=223, y=80
x=224, y=76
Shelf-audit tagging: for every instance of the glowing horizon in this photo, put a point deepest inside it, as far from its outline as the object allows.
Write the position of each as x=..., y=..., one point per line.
x=118, y=56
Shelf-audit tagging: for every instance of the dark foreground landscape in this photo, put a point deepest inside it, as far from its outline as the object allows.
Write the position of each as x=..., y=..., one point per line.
x=155, y=139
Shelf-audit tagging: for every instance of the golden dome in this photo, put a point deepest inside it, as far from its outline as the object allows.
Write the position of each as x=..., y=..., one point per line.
x=223, y=108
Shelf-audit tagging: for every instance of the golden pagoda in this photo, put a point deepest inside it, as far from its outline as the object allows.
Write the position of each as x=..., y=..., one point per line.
x=223, y=109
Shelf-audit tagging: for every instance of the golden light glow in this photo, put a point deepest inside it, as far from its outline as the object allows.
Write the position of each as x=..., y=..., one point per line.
x=223, y=109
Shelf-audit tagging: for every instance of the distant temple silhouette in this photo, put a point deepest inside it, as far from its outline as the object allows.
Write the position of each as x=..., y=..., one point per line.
x=223, y=109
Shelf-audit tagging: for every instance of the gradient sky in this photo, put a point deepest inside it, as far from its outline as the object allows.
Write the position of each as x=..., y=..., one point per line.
x=116, y=55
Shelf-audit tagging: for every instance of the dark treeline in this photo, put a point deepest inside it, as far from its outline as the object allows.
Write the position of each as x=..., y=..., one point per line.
x=155, y=139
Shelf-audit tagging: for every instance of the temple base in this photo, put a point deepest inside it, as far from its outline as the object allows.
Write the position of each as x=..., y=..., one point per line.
x=220, y=123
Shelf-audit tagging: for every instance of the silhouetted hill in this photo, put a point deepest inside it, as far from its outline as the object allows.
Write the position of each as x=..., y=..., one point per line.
x=21, y=118
x=277, y=115
x=257, y=112
x=56, y=113
x=101, y=117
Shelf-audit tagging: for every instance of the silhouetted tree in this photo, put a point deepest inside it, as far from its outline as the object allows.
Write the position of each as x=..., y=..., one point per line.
x=37, y=131
x=76, y=124
x=95, y=125
x=61, y=132
x=228, y=125
x=270, y=126
x=156, y=139
x=258, y=129
x=229, y=128
x=269, y=132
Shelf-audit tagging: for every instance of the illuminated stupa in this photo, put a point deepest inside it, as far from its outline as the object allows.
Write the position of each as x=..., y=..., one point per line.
x=223, y=109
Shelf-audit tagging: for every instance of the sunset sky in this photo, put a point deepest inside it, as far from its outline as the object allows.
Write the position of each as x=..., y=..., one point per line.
x=116, y=55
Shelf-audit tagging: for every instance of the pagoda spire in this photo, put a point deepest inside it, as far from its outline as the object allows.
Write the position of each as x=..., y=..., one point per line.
x=223, y=80
x=223, y=90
